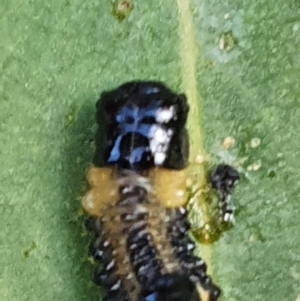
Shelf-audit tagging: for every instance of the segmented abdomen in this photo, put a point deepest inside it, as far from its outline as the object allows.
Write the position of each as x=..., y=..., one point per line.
x=137, y=242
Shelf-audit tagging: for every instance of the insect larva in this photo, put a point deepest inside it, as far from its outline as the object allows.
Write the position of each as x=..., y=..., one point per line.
x=139, y=225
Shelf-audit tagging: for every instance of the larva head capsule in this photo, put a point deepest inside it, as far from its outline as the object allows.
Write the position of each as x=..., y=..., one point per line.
x=142, y=125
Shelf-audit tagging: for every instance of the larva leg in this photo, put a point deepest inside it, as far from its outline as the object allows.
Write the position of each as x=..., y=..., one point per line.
x=223, y=180
x=103, y=190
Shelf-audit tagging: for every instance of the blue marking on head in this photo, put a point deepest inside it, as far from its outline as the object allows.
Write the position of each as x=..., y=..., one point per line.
x=151, y=297
x=141, y=136
x=150, y=90
x=130, y=118
x=136, y=154
x=115, y=152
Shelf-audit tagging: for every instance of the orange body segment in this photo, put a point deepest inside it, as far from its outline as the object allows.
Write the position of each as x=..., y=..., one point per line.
x=169, y=187
x=103, y=192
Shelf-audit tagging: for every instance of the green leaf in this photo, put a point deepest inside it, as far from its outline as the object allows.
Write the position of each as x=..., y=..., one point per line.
x=238, y=61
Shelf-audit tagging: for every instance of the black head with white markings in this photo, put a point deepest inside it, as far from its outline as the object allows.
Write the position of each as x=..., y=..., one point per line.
x=173, y=287
x=144, y=127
